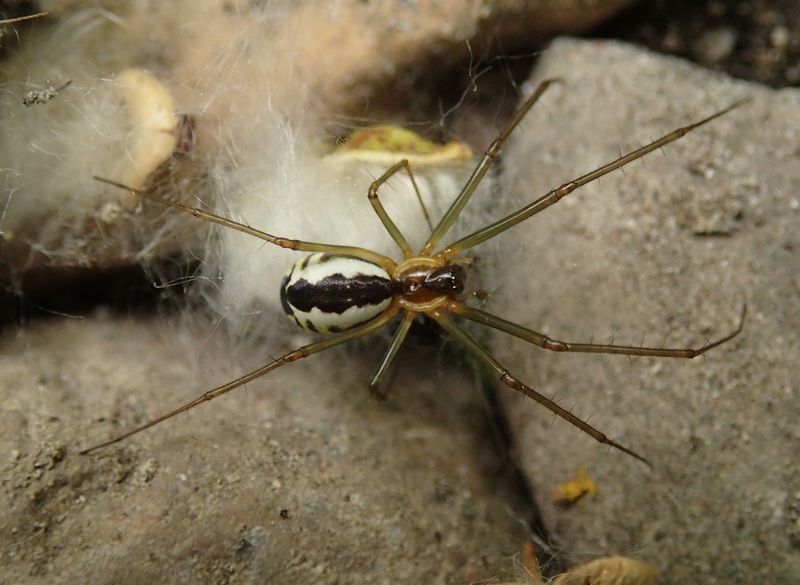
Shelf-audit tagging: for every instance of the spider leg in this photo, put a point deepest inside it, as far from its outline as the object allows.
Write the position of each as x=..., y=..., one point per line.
x=387, y=222
x=477, y=175
x=297, y=354
x=391, y=352
x=546, y=342
x=509, y=380
x=378, y=206
x=555, y=195
x=299, y=245
x=5, y=21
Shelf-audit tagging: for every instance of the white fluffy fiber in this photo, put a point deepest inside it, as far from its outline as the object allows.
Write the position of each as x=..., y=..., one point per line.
x=262, y=154
x=49, y=151
x=300, y=195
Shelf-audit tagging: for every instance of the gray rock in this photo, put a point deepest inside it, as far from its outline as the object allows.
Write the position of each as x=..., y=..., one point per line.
x=663, y=254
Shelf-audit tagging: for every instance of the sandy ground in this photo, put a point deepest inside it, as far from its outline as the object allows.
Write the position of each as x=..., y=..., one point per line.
x=302, y=478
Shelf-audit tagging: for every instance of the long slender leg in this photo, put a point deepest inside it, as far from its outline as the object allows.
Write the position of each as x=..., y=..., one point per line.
x=299, y=245
x=297, y=354
x=477, y=175
x=387, y=222
x=506, y=378
x=391, y=352
x=419, y=198
x=555, y=195
x=5, y=21
x=545, y=342
x=373, y=190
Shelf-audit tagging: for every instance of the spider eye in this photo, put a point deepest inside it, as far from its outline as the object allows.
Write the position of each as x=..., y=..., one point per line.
x=447, y=280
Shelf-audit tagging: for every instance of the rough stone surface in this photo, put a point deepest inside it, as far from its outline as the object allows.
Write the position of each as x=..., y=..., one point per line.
x=663, y=254
x=302, y=478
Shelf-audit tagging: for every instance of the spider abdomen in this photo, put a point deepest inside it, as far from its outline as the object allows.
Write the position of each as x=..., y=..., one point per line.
x=329, y=293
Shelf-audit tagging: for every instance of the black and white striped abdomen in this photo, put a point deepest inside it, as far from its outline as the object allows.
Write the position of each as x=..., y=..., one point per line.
x=329, y=293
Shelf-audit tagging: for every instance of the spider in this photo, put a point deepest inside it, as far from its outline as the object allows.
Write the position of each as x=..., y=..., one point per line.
x=351, y=292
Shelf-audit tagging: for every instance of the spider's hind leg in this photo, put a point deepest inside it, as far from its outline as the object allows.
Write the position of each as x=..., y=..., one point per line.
x=291, y=244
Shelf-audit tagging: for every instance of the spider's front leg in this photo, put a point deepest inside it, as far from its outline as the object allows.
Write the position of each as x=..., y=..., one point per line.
x=546, y=342
x=514, y=383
